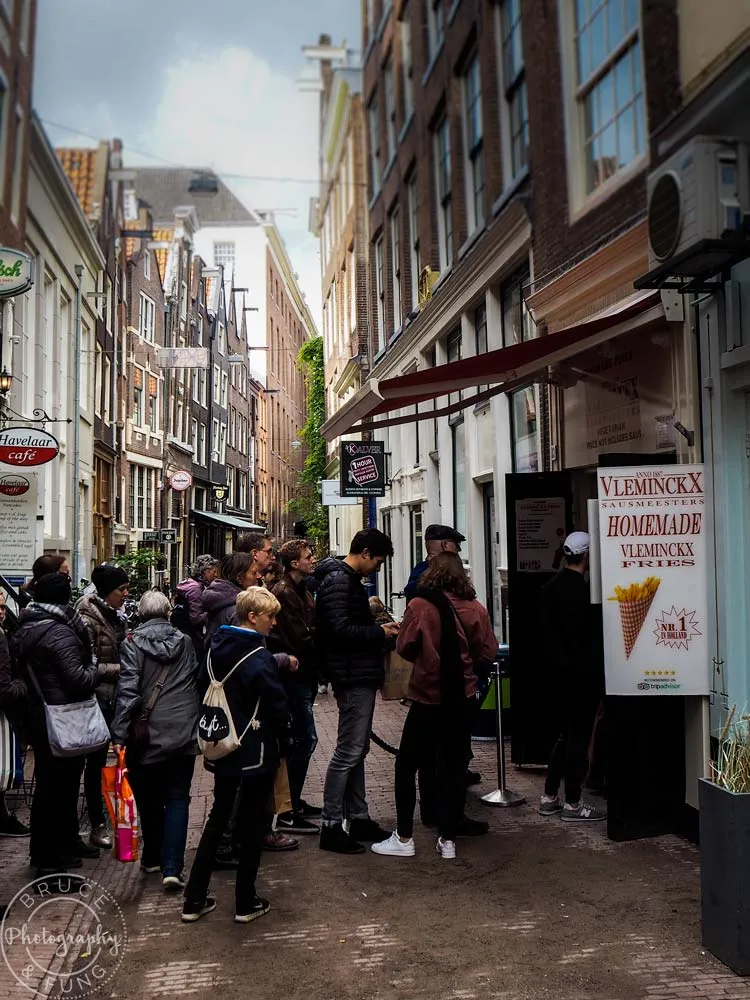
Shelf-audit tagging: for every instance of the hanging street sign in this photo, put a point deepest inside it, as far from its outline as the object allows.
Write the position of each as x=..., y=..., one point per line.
x=168, y=535
x=652, y=529
x=330, y=495
x=181, y=480
x=182, y=357
x=150, y=536
x=362, y=465
x=26, y=446
x=16, y=272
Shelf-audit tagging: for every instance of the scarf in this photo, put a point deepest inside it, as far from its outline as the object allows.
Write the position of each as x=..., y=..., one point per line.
x=68, y=616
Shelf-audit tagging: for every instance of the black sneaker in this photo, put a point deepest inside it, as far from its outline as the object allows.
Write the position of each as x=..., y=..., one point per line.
x=259, y=908
x=305, y=809
x=194, y=911
x=10, y=826
x=295, y=823
x=334, y=838
x=84, y=850
x=226, y=862
x=367, y=830
x=469, y=827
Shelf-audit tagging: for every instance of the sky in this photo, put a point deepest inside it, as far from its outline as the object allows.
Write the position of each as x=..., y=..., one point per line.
x=210, y=83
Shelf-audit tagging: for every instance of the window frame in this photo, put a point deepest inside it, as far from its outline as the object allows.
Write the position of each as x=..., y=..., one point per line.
x=444, y=192
x=407, y=63
x=580, y=199
x=389, y=92
x=375, y=142
x=513, y=91
x=380, y=293
x=435, y=21
x=473, y=127
x=394, y=223
x=147, y=265
x=146, y=304
x=415, y=258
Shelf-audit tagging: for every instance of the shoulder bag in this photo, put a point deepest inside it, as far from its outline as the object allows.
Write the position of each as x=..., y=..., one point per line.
x=139, y=737
x=74, y=729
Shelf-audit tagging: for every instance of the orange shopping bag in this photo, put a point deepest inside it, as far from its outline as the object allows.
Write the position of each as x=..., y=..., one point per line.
x=126, y=831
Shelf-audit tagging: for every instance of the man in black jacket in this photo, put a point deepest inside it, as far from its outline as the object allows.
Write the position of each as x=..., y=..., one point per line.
x=352, y=647
x=570, y=632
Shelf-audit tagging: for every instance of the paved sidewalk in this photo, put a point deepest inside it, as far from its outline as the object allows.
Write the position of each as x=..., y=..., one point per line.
x=537, y=909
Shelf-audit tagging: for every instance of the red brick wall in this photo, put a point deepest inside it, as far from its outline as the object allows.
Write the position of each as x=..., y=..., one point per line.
x=17, y=67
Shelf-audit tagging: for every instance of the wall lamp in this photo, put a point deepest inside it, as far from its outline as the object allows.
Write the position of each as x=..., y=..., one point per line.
x=6, y=381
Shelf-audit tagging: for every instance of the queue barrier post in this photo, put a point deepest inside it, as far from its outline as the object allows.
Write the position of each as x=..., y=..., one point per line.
x=502, y=796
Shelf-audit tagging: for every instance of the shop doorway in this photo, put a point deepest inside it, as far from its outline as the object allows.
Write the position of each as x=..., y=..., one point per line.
x=492, y=563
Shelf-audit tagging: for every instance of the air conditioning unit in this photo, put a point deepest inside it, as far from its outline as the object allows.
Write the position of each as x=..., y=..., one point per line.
x=702, y=192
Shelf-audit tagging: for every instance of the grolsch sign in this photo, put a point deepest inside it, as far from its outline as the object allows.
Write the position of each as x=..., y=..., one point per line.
x=362, y=465
x=16, y=272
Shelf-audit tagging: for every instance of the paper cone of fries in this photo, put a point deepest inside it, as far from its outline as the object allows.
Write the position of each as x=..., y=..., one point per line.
x=635, y=603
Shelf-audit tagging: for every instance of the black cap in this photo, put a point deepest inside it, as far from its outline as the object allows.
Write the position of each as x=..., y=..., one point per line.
x=443, y=533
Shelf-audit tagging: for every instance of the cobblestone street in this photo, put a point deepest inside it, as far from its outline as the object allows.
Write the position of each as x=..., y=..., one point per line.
x=535, y=910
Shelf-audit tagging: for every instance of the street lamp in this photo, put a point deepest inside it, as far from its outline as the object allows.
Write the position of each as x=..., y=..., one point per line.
x=6, y=381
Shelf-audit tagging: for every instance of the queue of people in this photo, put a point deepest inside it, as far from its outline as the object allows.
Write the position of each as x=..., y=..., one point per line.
x=265, y=650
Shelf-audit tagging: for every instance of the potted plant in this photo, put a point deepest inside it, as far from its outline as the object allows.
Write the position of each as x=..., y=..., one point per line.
x=724, y=800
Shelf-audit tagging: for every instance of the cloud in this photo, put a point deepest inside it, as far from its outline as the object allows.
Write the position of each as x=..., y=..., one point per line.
x=230, y=110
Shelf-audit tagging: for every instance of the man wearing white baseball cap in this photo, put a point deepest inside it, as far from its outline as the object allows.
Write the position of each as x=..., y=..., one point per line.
x=571, y=633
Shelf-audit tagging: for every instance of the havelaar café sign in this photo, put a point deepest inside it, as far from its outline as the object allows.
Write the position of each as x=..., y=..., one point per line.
x=26, y=447
x=16, y=272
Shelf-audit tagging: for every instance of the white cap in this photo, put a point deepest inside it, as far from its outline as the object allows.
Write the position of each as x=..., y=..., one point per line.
x=576, y=544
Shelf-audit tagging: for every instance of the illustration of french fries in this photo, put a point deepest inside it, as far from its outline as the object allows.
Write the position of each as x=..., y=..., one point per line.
x=635, y=602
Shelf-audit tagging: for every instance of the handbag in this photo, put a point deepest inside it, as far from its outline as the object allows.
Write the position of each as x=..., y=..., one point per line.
x=11, y=775
x=75, y=729
x=139, y=738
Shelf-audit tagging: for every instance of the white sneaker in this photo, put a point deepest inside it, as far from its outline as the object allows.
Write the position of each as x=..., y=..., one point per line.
x=395, y=847
x=446, y=848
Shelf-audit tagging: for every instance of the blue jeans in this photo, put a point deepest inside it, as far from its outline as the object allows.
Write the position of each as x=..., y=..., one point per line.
x=162, y=795
x=304, y=739
x=344, y=791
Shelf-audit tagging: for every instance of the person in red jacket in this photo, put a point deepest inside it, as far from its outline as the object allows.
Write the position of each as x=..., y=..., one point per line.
x=444, y=631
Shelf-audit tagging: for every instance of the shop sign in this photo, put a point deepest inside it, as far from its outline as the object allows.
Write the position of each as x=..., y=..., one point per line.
x=18, y=523
x=362, y=465
x=652, y=527
x=540, y=532
x=220, y=494
x=26, y=446
x=150, y=536
x=16, y=272
x=330, y=495
x=182, y=357
x=181, y=481
x=168, y=535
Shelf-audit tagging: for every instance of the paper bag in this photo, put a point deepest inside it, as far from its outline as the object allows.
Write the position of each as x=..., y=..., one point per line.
x=397, y=677
x=282, y=799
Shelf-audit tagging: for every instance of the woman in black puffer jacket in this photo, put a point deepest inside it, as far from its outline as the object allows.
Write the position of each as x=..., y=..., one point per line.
x=53, y=647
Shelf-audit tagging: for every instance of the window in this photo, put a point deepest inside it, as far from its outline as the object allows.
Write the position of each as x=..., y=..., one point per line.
x=415, y=519
x=215, y=453
x=147, y=265
x=453, y=353
x=146, y=318
x=525, y=437
x=609, y=86
x=98, y=376
x=458, y=442
x=242, y=491
x=107, y=393
x=518, y=324
x=3, y=131
x=203, y=387
x=222, y=340
x=194, y=438
x=224, y=254
x=390, y=110
x=19, y=140
x=516, y=114
x=223, y=443
x=373, y=122
x=380, y=293
x=217, y=382
x=230, y=486
x=472, y=93
x=224, y=389
x=199, y=332
x=195, y=379
x=435, y=27
x=153, y=397
x=415, y=258
x=407, y=67
x=351, y=271
x=139, y=413
x=444, y=199
x=202, y=444
x=480, y=334
x=141, y=497
x=396, y=267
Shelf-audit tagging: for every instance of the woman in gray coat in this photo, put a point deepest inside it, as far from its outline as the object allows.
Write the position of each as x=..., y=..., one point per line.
x=156, y=720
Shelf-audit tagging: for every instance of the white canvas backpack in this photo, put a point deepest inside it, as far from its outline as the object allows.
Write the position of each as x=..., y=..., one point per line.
x=217, y=735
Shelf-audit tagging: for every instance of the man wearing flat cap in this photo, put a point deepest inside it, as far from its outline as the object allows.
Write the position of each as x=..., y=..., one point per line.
x=437, y=538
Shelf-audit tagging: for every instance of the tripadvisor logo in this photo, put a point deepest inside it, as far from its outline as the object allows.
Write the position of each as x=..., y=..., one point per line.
x=63, y=934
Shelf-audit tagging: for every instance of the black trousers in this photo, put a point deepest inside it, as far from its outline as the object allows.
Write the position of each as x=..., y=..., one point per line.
x=431, y=745
x=250, y=827
x=54, y=807
x=569, y=758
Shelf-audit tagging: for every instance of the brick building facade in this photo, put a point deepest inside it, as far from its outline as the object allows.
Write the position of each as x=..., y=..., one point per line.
x=17, y=31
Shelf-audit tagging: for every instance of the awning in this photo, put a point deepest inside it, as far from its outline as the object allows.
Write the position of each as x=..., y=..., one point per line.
x=225, y=521
x=503, y=369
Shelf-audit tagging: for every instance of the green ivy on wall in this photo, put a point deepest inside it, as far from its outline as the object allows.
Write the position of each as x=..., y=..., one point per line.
x=306, y=505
